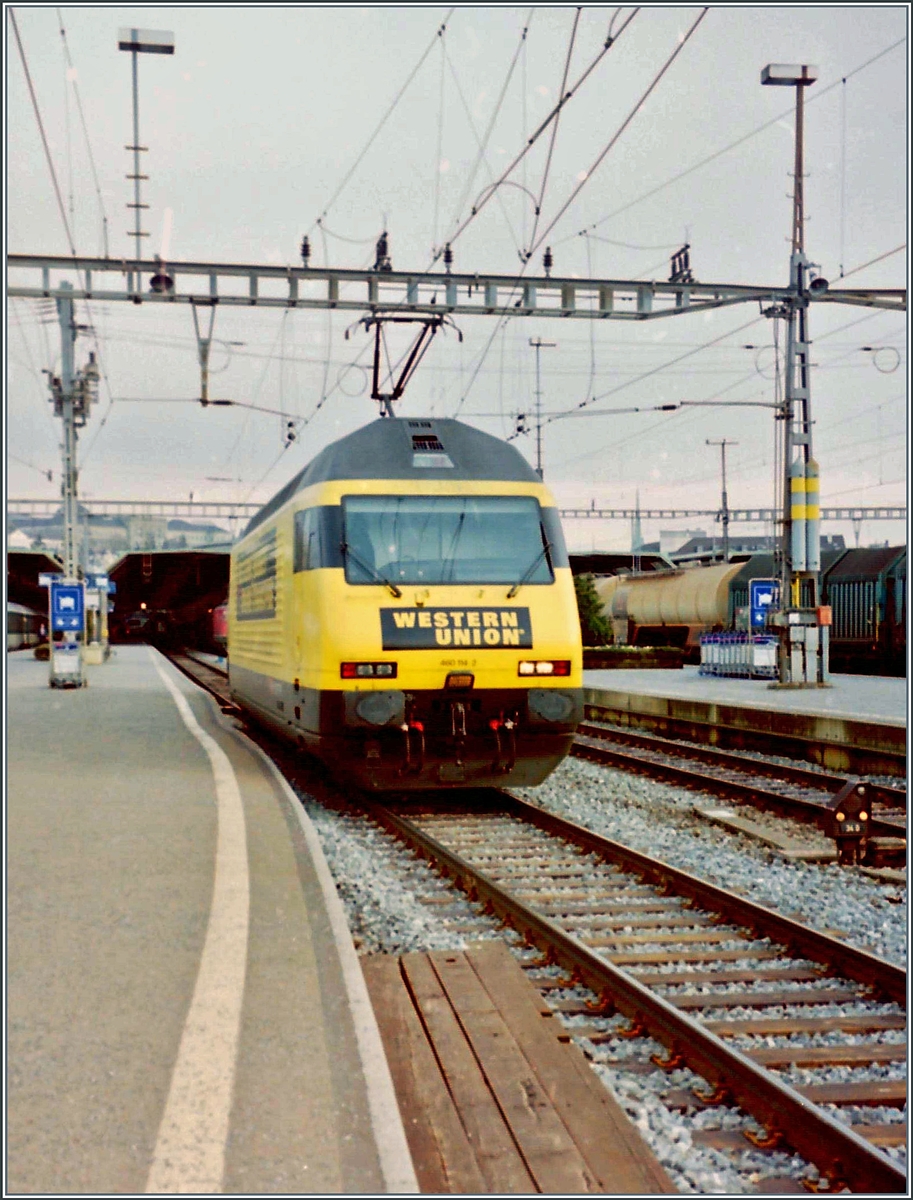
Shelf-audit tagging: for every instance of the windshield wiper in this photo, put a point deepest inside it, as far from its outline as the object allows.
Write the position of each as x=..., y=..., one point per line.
x=347, y=549
x=530, y=569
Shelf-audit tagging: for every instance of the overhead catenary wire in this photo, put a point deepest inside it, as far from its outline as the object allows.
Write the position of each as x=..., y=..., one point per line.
x=63, y=217
x=439, y=154
x=471, y=175
x=683, y=418
x=842, y=173
x=44, y=141
x=48, y=474
x=551, y=144
x=811, y=99
x=85, y=130
x=439, y=32
x=481, y=145
x=531, y=141
x=872, y=261
x=609, y=42
x=656, y=370
x=630, y=117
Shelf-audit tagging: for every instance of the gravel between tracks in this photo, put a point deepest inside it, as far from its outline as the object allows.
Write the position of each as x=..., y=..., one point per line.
x=658, y=819
x=386, y=891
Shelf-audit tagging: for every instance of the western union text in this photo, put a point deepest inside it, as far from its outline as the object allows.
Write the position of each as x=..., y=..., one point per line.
x=427, y=628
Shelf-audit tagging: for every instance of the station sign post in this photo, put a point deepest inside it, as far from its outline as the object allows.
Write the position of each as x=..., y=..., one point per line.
x=763, y=599
x=67, y=629
x=96, y=649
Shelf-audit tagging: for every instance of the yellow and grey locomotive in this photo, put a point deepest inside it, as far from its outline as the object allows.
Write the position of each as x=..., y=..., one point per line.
x=404, y=609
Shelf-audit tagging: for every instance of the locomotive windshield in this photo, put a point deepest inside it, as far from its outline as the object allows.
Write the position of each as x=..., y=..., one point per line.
x=445, y=539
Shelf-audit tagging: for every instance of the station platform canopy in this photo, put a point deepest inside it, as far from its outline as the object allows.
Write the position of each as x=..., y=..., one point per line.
x=184, y=584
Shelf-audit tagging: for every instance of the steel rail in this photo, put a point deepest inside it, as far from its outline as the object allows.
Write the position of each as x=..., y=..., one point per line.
x=813, y=812
x=864, y=760
x=838, y=1152
x=859, y=965
x=890, y=797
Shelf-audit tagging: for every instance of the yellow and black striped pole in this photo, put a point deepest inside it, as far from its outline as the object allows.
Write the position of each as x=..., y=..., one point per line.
x=797, y=514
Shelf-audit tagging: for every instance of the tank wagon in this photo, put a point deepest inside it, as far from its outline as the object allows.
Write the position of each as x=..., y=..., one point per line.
x=668, y=608
x=866, y=590
x=404, y=609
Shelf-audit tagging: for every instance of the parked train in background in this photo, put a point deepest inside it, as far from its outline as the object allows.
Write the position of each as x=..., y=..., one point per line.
x=220, y=628
x=866, y=590
x=24, y=627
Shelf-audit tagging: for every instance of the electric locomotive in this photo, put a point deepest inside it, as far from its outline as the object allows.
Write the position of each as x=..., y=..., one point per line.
x=404, y=609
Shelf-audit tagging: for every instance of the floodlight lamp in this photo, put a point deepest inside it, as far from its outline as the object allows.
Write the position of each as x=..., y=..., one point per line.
x=789, y=75
x=146, y=41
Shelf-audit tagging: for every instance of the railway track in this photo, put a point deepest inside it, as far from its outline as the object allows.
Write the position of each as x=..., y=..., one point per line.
x=677, y=957
x=733, y=991
x=798, y=792
x=785, y=739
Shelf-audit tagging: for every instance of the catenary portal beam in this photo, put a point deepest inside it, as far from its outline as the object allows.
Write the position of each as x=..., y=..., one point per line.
x=227, y=509
x=409, y=293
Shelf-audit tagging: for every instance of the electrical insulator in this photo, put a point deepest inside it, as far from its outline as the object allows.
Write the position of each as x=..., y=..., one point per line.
x=448, y=258
x=547, y=260
x=305, y=251
x=382, y=255
x=291, y=434
x=521, y=423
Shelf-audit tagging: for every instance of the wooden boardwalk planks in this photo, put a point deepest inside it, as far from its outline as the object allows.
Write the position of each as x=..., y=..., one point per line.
x=443, y=1158
x=492, y=1100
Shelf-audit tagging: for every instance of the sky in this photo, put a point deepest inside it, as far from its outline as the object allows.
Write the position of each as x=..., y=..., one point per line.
x=272, y=122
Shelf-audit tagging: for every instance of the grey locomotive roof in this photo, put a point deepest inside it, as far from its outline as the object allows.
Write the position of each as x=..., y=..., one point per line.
x=385, y=448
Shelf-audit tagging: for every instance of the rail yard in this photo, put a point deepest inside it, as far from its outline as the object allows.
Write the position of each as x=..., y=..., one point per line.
x=817, y=1010
x=458, y=647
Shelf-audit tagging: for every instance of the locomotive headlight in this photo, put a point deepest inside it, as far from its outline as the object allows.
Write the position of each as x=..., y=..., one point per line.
x=547, y=666
x=366, y=670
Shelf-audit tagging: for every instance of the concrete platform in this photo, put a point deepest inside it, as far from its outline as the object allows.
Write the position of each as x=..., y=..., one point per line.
x=186, y=1012
x=856, y=725
x=861, y=697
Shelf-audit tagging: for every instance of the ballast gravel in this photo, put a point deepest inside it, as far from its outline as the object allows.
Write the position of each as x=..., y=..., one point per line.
x=396, y=903
x=659, y=819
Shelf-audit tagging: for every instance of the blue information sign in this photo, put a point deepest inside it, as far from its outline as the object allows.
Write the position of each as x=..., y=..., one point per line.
x=67, y=607
x=763, y=595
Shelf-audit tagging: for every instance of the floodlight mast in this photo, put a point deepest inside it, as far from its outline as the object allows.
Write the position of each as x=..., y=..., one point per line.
x=803, y=657
x=140, y=41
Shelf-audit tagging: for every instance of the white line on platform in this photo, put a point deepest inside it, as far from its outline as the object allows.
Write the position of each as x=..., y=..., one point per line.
x=389, y=1135
x=190, y=1150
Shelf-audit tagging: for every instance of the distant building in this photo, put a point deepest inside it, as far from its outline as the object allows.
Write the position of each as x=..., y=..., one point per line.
x=703, y=548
